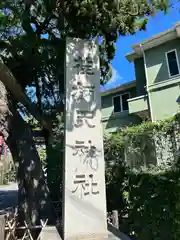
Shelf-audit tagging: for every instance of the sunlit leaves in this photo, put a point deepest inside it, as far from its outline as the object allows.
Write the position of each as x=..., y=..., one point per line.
x=39, y=61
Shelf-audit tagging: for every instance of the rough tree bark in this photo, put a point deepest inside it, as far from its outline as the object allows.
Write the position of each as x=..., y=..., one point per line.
x=34, y=200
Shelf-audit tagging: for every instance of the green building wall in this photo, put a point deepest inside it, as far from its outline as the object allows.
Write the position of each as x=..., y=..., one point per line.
x=156, y=61
x=112, y=122
x=164, y=91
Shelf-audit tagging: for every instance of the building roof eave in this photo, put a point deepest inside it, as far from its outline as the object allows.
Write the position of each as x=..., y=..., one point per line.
x=121, y=87
x=154, y=41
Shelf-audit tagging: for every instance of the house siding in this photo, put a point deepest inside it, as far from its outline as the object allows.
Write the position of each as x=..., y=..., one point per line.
x=107, y=101
x=164, y=91
x=157, y=69
x=112, y=122
x=165, y=102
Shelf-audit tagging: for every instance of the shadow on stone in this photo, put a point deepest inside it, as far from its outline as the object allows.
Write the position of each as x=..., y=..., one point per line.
x=114, y=233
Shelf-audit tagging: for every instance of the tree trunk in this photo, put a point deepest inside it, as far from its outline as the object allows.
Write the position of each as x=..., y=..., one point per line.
x=32, y=186
x=54, y=151
x=34, y=200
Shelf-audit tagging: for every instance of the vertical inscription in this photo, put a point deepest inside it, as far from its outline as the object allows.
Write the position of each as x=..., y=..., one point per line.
x=84, y=66
x=84, y=195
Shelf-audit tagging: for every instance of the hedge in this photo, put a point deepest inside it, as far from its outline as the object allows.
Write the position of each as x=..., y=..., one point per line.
x=147, y=197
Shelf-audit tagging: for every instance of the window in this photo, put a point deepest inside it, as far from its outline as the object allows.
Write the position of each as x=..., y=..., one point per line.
x=117, y=104
x=172, y=63
x=125, y=97
x=120, y=102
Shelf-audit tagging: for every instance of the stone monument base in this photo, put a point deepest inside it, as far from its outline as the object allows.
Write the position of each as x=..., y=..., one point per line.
x=120, y=237
x=112, y=234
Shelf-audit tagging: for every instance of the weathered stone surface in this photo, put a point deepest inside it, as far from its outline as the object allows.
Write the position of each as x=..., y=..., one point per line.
x=121, y=237
x=2, y=227
x=84, y=195
x=115, y=234
x=84, y=203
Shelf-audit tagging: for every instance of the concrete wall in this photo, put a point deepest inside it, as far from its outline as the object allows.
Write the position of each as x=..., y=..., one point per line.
x=112, y=122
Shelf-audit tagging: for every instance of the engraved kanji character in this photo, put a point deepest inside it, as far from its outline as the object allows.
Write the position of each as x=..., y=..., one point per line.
x=77, y=91
x=82, y=185
x=93, y=185
x=80, y=148
x=84, y=65
x=83, y=116
x=91, y=158
x=85, y=185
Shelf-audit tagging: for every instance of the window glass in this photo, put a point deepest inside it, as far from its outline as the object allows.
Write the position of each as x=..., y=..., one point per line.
x=117, y=104
x=172, y=63
x=125, y=97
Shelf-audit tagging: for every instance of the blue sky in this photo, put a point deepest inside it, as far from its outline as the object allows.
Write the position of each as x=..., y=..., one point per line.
x=123, y=71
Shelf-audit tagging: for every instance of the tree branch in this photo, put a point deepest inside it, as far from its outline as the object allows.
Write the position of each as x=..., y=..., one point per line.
x=11, y=84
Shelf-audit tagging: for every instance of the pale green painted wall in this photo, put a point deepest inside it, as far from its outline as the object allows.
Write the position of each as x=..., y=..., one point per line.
x=112, y=122
x=165, y=102
x=156, y=61
x=139, y=104
x=164, y=91
x=107, y=102
x=116, y=122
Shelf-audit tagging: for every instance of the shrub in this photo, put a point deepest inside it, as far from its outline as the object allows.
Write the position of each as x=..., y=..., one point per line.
x=146, y=196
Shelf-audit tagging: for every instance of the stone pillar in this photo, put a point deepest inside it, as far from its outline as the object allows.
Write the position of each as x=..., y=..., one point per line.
x=2, y=227
x=84, y=210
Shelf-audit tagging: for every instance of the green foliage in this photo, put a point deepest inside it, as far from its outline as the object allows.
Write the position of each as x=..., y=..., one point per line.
x=33, y=123
x=154, y=204
x=42, y=155
x=147, y=198
x=33, y=37
x=55, y=155
x=38, y=61
x=10, y=176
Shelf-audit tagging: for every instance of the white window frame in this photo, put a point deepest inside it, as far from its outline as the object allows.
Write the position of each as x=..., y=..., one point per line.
x=173, y=50
x=120, y=95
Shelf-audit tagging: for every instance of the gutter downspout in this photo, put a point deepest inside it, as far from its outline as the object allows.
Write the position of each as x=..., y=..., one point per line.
x=147, y=85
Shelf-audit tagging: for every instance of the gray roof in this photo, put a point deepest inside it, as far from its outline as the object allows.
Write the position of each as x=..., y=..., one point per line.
x=118, y=88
